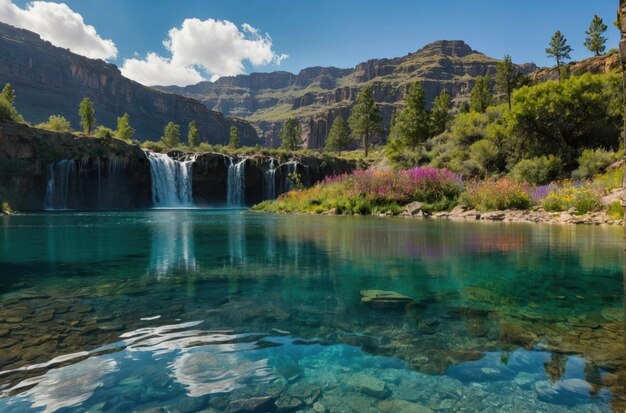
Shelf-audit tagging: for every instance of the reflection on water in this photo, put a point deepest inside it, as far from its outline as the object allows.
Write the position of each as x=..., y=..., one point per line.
x=197, y=310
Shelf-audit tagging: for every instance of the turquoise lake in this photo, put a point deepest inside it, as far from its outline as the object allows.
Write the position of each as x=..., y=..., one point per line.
x=228, y=311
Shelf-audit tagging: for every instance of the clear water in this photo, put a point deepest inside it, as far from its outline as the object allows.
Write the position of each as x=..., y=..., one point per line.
x=223, y=311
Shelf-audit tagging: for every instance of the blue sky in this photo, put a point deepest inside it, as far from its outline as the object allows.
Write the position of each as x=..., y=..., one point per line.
x=343, y=33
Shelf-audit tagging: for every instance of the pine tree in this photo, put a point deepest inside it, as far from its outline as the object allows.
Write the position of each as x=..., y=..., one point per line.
x=171, y=135
x=124, y=130
x=440, y=113
x=412, y=124
x=595, y=41
x=365, y=118
x=291, y=135
x=339, y=135
x=87, y=115
x=559, y=50
x=193, y=135
x=507, y=78
x=8, y=93
x=233, y=140
x=480, y=97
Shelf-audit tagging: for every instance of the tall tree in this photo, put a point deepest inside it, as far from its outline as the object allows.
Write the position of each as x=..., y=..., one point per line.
x=171, y=135
x=365, y=118
x=595, y=41
x=339, y=135
x=480, y=96
x=233, y=139
x=291, y=135
x=412, y=123
x=441, y=112
x=193, y=135
x=87, y=115
x=621, y=24
x=8, y=93
x=507, y=78
x=124, y=130
x=559, y=50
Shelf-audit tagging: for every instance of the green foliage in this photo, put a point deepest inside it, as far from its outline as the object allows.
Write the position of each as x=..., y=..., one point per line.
x=154, y=146
x=594, y=161
x=485, y=155
x=496, y=195
x=193, y=135
x=7, y=110
x=537, y=171
x=291, y=135
x=559, y=50
x=104, y=132
x=56, y=123
x=365, y=118
x=233, y=140
x=583, y=198
x=595, y=42
x=8, y=93
x=124, y=131
x=6, y=208
x=615, y=210
x=339, y=135
x=480, y=96
x=465, y=107
x=507, y=78
x=171, y=135
x=562, y=117
x=87, y=115
x=613, y=178
x=412, y=124
x=440, y=114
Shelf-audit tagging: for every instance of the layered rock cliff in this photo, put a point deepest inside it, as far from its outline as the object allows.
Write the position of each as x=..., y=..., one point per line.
x=317, y=95
x=596, y=65
x=50, y=80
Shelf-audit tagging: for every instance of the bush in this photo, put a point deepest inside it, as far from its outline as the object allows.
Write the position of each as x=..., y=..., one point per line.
x=580, y=196
x=497, y=195
x=537, y=171
x=56, y=123
x=615, y=210
x=8, y=111
x=6, y=208
x=104, y=132
x=485, y=154
x=594, y=161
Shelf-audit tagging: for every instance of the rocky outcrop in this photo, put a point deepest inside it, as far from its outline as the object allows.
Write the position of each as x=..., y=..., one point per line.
x=50, y=80
x=596, y=65
x=317, y=95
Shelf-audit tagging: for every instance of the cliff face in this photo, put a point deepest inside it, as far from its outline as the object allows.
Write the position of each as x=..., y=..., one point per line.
x=596, y=65
x=51, y=80
x=317, y=95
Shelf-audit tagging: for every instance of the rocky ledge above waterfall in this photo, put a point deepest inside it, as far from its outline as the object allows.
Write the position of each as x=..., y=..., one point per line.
x=40, y=169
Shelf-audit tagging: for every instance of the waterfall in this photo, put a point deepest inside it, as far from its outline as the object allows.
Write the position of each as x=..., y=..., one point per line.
x=270, y=180
x=171, y=181
x=61, y=178
x=236, y=196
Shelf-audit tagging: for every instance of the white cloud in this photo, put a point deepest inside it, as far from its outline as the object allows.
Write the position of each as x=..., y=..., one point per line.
x=60, y=25
x=157, y=70
x=212, y=47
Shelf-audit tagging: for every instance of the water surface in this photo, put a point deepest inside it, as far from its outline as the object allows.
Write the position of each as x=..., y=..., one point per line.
x=227, y=311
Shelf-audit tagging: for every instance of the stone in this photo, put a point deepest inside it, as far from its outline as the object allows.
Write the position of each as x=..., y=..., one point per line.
x=191, y=404
x=382, y=298
x=286, y=403
x=368, y=384
x=304, y=391
x=251, y=405
x=569, y=391
x=402, y=406
x=413, y=208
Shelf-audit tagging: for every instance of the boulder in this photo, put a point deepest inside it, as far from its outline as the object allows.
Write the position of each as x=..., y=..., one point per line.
x=380, y=298
x=368, y=384
x=413, y=208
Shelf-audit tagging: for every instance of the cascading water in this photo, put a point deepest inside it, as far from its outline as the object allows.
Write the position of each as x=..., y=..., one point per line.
x=171, y=181
x=61, y=178
x=235, y=194
x=270, y=180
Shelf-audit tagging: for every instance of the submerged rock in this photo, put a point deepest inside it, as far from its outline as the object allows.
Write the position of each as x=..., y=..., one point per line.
x=368, y=384
x=402, y=406
x=570, y=391
x=382, y=298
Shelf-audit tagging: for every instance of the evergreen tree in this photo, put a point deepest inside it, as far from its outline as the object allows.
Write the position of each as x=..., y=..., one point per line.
x=291, y=135
x=559, y=50
x=465, y=107
x=412, y=124
x=480, y=97
x=595, y=41
x=365, y=118
x=339, y=135
x=8, y=93
x=171, y=135
x=124, y=130
x=87, y=115
x=193, y=135
x=234, y=137
x=440, y=113
x=507, y=78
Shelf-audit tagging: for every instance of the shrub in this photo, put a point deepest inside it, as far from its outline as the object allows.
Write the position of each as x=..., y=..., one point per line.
x=613, y=178
x=496, y=195
x=8, y=111
x=594, y=161
x=537, y=171
x=154, y=146
x=616, y=210
x=104, y=132
x=6, y=208
x=485, y=154
x=56, y=123
x=581, y=196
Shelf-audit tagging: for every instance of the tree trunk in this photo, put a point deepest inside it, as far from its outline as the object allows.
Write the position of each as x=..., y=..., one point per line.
x=621, y=18
x=366, y=143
